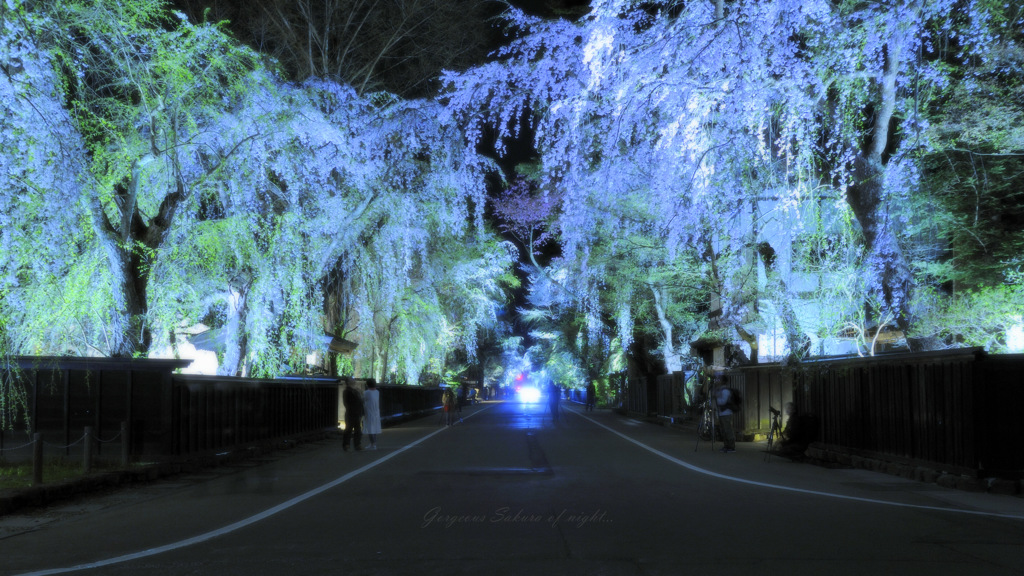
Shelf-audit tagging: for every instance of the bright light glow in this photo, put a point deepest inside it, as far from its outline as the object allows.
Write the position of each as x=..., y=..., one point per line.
x=529, y=394
x=1015, y=336
x=203, y=361
x=771, y=346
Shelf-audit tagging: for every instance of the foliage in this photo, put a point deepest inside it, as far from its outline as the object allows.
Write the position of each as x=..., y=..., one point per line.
x=814, y=168
x=145, y=94
x=977, y=317
x=42, y=158
x=195, y=185
x=974, y=167
x=714, y=118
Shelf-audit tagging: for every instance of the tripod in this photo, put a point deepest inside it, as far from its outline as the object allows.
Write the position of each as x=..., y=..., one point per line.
x=706, y=426
x=774, y=432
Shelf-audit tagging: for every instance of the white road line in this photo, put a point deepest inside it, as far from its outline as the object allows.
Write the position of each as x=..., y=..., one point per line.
x=241, y=523
x=700, y=470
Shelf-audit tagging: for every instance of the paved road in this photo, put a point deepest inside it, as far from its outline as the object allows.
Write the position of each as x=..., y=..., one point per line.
x=512, y=491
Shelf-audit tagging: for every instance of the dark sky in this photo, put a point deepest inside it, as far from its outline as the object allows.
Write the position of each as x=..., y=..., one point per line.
x=552, y=7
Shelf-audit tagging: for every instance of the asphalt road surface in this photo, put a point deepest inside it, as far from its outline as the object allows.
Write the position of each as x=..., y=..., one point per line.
x=510, y=491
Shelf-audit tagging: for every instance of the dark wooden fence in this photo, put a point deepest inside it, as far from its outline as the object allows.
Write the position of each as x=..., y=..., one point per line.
x=640, y=396
x=398, y=403
x=59, y=396
x=167, y=414
x=762, y=387
x=956, y=410
x=660, y=396
x=210, y=413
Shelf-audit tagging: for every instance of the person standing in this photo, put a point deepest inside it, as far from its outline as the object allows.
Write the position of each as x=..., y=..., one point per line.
x=463, y=395
x=724, y=398
x=353, y=402
x=591, y=396
x=554, y=396
x=371, y=412
x=448, y=406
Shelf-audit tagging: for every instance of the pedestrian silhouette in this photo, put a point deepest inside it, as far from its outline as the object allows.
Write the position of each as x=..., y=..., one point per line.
x=371, y=410
x=554, y=395
x=353, y=402
x=448, y=406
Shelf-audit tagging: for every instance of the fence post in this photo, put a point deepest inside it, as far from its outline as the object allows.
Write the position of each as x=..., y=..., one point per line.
x=124, y=444
x=37, y=459
x=87, y=451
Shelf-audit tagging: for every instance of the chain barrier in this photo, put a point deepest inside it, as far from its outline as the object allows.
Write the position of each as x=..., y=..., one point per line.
x=59, y=447
x=29, y=445
x=102, y=441
x=37, y=444
x=64, y=447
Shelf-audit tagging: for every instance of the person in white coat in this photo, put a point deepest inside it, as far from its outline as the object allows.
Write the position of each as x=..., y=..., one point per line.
x=371, y=415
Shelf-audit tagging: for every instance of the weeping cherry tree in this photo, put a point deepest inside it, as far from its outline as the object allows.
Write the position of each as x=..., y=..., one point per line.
x=715, y=115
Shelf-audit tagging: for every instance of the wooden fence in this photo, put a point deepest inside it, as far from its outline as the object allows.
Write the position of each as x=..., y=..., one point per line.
x=59, y=396
x=167, y=414
x=217, y=412
x=660, y=396
x=399, y=403
x=957, y=410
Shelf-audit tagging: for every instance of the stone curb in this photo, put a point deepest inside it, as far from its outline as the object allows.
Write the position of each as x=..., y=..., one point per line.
x=1005, y=486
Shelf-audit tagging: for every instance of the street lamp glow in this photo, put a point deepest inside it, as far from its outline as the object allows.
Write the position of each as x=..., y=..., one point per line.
x=529, y=395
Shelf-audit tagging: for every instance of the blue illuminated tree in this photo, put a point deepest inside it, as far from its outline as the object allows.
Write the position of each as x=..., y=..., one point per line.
x=41, y=161
x=717, y=116
x=195, y=185
x=144, y=104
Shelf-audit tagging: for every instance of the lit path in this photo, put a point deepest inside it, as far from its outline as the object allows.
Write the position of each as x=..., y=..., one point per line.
x=509, y=491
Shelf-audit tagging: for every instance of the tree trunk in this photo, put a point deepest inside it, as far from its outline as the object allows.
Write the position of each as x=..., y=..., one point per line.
x=894, y=283
x=673, y=361
x=799, y=342
x=130, y=284
x=235, y=345
x=131, y=248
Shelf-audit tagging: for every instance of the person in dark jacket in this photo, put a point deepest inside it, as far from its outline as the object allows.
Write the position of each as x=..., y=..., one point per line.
x=554, y=397
x=353, y=402
x=726, y=407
